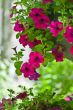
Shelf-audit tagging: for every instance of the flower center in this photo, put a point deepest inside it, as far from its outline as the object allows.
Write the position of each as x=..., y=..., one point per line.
x=36, y=14
x=57, y=28
x=36, y=58
x=26, y=69
x=41, y=20
x=21, y=26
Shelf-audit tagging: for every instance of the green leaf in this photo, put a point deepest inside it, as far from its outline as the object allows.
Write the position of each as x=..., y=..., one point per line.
x=17, y=35
x=18, y=65
x=18, y=72
x=38, y=48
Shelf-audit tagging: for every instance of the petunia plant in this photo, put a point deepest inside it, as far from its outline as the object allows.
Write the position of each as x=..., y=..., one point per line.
x=46, y=26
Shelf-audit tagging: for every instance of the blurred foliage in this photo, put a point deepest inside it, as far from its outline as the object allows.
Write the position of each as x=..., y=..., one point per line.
x=57, y=78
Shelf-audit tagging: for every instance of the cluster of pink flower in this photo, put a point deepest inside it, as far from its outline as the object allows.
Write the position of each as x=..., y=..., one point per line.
x=10, y=102
x=24, y=40
x=29, y=68
x=42, y=22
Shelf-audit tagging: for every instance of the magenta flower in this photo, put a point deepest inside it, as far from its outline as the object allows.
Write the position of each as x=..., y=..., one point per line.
x=27, y=69
x=24, y=40
x=59, y=56
x=18, y=27
x=71, y=50
x=46, y=1
x=68, y=99
x=58, y=53
x=69, y=34
x=1, y=106
x=56, y=108
x=21, y=95
x=42, y=22
x=36, y=13
x=35, y=76
x=36, y=42
x=56, y=27
x=35, y=59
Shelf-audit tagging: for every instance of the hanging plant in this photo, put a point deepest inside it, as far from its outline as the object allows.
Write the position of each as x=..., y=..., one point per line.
x=46, y=26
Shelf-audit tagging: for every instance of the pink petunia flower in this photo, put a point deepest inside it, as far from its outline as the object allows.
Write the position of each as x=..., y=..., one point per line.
x=27, y=69
x=69, y=34
x=46, y=1
x=18, y=27
x=42, y=22
x=24, y=40
x=35, y=76
x=68, y=99
x=36, y=13
x=56, y=27
x=71, y=50
x=35, y=59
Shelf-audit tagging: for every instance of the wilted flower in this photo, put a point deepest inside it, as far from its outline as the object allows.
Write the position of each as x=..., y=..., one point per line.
x=58, y=52
x=35, y=76
x=21, y=95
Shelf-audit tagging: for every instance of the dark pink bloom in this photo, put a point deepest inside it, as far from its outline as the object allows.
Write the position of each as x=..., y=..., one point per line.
x=56, y=27
x=58, y=52
x=18, y=27
x=69, y=34
x=34, y=43
x=36, y=13
x=71, y=50
x=27, y=69
x=35, y=59
x=11, y=15
x=24, y=40
x=42, y=22
x=9, y=101
x=1, y=106
x=21, y=95
x=68, y=99
x=47, y=1
x=35, y=76
x=59, y=56
x=56, y=108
